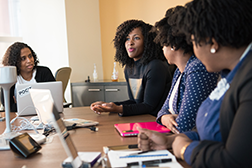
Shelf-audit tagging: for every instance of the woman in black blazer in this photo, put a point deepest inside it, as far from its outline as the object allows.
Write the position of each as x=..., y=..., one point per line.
x=25, y=59
x=220, y=31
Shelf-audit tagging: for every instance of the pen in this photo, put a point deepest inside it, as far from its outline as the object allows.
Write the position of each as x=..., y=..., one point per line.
x=132, y=146
x=121, y=147
x=149, y=163
x=139, y=153
x=99, y=160
x=156, y=161
x=139, y=156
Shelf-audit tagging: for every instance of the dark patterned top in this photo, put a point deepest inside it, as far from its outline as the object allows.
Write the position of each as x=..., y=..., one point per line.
x=194, y=87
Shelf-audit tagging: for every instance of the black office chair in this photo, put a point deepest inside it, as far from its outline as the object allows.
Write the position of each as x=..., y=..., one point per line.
x=63, y=74
x=1, y=105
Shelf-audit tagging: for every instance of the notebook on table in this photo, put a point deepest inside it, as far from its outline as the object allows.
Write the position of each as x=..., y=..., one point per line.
x=130, y=129
x=75, y=159
x=25, y=105
x=79, y=123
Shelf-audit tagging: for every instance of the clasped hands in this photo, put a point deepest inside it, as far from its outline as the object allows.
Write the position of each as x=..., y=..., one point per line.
x=152, y=140
x=100, y=106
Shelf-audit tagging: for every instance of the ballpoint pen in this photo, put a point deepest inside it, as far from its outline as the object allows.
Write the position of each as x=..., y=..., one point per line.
x=100, y=160
x=143, y=156
x=121, y=147
x=139, y=153
x=156, y=161
x=149, y=163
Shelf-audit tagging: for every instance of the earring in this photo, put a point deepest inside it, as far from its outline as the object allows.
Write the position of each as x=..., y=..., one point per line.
x=172, y=49
x=212, y=50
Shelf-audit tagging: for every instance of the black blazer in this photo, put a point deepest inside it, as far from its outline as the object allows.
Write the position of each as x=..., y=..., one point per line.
x=43, y=74
x=235, y=150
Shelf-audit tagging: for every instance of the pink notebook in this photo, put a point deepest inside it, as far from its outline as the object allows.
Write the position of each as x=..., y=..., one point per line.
x=130, y=129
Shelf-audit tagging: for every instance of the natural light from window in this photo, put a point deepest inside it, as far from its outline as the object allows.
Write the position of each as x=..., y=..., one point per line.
x=10, y=24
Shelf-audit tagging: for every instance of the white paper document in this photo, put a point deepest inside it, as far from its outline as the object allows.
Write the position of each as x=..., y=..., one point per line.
x=121, y=158
x=88, y=157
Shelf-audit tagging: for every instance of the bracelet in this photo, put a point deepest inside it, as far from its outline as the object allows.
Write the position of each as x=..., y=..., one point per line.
x=182, y=151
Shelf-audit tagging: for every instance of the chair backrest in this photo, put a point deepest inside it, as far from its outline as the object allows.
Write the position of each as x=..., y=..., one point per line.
x=63, y=74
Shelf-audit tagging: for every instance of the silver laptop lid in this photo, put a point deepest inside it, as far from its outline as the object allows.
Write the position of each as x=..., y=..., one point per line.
x=24, y=103
x=43, y=100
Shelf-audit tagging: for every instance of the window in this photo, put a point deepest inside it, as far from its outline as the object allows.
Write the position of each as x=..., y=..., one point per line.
x=10, y=29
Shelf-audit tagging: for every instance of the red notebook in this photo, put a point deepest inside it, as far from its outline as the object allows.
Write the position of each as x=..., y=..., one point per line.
x=130, y=129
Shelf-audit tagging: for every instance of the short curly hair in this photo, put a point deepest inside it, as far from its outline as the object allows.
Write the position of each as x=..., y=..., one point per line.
x=151, y=49
x=12, y=56
x=227, y=21
x=168, y=33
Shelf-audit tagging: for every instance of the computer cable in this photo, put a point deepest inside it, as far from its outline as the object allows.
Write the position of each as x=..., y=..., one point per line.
x=24, y=124
x=71, y=127
x=48, y=131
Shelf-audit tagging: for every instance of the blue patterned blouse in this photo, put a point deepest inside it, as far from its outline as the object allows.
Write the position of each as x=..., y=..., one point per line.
x=195, y=86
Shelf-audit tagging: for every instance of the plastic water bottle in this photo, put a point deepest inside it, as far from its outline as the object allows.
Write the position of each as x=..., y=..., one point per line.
x=95, y=75
x=114, y=77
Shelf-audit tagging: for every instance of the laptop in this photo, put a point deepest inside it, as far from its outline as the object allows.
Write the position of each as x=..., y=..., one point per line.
x=24, y=103
x=42, y=98
x=130, y=129
x=40, y=102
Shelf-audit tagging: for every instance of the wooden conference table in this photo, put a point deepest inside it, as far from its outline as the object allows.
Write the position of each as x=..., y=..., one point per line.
x=52, y=154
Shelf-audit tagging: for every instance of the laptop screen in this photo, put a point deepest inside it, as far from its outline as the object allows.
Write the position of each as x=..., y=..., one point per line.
x=24, y=102
x=42, y=98
x=62, y=131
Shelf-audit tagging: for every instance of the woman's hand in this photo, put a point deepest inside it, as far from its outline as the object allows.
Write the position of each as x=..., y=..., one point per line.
x=179, y=142
x=169, y=121
x=152, y=140
x=100, y=106
x=94, y=106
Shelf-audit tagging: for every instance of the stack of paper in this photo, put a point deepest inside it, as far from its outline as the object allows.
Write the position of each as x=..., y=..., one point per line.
x=121, y=158
x=87, y=157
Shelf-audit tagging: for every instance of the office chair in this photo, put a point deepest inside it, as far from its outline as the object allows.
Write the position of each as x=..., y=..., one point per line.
x=63, y=74
x=1, y=105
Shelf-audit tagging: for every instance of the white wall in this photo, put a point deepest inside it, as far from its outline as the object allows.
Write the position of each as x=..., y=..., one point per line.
x=44, y=29
x=84, y=38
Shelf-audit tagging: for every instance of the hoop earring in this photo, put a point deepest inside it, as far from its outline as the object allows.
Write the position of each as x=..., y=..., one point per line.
x=212, y=50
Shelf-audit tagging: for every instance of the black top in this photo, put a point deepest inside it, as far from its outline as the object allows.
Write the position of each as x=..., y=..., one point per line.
x=235, y=120
x=148, y=86
x=43, y=74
